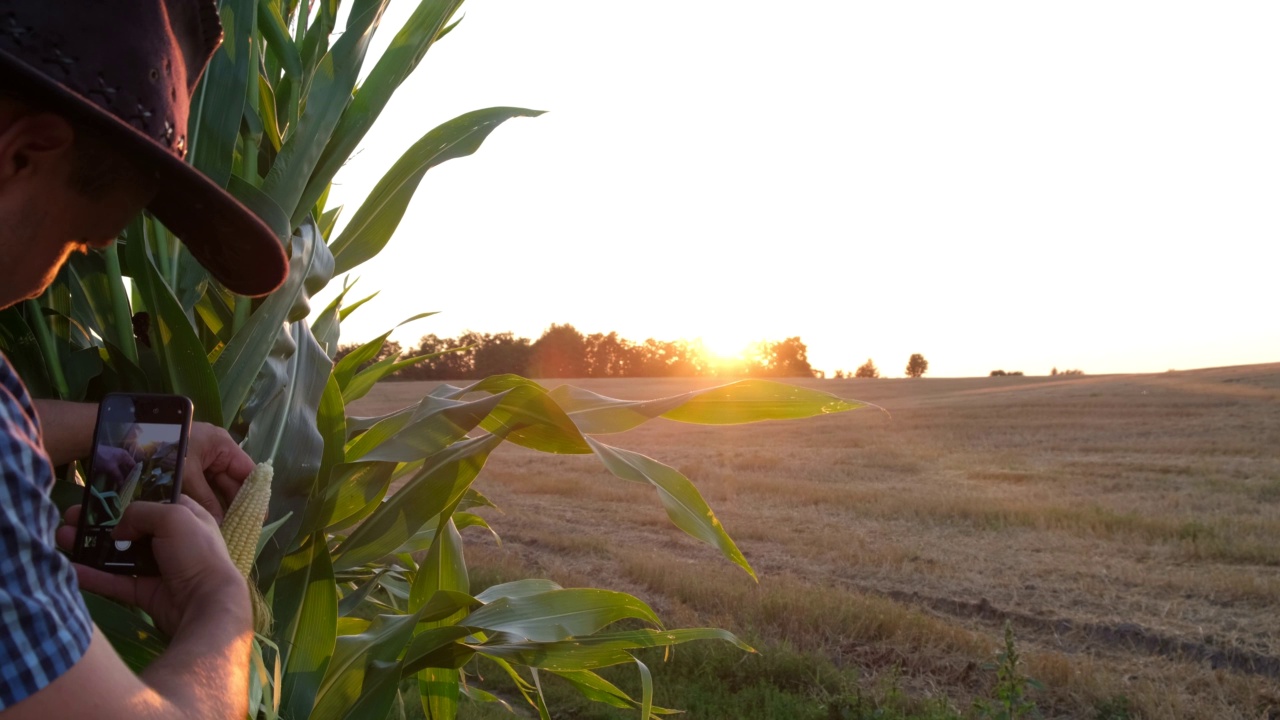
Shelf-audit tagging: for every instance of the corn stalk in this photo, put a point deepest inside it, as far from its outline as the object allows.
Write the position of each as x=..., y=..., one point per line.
x=368, y=586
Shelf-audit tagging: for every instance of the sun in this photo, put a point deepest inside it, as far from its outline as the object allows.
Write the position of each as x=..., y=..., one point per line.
x=723, y=352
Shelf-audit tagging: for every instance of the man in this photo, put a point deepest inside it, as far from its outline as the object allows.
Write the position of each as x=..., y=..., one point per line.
x=93, y=127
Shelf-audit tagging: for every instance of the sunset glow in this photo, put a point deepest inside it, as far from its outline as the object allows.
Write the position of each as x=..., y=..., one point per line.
x=959, y=180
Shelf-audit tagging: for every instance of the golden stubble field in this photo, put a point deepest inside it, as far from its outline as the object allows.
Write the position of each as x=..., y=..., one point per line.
x=1128, y=527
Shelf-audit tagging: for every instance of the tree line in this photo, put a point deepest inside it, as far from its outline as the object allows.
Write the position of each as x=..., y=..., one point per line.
x=564, y=352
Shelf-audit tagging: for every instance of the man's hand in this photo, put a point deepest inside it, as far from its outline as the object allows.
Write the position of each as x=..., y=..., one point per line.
x=196, y=573
x=215, y=469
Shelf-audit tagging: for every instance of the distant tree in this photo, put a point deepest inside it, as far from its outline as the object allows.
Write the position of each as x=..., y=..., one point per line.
x=917, y=366
x=605, y=355
x=1071, y=372
x=1053, y=372
x=785, y=358
x=561, y=352
x=1015, y=373
x=502, y=354
x=998, y=373
x=868, y=370
x=839, y=375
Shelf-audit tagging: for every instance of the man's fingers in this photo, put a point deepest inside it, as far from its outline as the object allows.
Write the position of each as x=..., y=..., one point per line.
x=195, y=486
x=117, y=587
x=151, y=519
x=66, y=537
x=201, y=512
x=72, y=516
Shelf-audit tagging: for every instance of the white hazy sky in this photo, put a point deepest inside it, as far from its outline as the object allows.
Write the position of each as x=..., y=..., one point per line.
x=1014, y=185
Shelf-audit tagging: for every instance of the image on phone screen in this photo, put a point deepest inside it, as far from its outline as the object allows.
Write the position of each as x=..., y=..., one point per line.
x=133, y=460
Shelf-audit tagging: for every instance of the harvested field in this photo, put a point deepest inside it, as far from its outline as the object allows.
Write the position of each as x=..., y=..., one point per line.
x=1128, y=527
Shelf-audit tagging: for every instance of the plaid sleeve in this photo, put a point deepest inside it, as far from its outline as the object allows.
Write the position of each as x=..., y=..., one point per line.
x=46, y=627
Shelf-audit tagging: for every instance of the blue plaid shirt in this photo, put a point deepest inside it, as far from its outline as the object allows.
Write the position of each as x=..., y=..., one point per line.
x=44, y=626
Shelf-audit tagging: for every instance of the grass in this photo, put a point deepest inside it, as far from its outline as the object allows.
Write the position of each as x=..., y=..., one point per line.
x=1124, y=525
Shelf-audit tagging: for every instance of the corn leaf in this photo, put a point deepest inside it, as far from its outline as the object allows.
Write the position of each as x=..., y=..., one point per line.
x=219, y=100
x=238, y=366
x=354, y=490
x=442, y=481
x=744, y=401
x=282, y=427
x=405, y=52
x=181, y=353
x=685, y=506
x=558, y=614
x=434, y=426
x=306, y=602
x=442, y=569
x=328, y=95
x=597, y=651
x=379, y=216
x=517, y=589
x=135, y=640
x=354, y=681
x=527, y=416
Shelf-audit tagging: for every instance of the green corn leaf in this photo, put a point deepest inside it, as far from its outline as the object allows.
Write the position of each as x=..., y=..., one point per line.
x=243, y=358
x=597, y=689
x=434, y=426
x=135, y=640
x=423, y=539
x=346, y=368
x=405, y=52
x=683, y=503
x=327, y=326
x=559, y=614
x=527, y=416
x=517, y=589
x=440, y=484
x=328, y=95
x=275, y=31
x=437, y=647
x=263, y=206
x=364, y=380
x=355, y=680
x=354, y=491
x=646, y=690
x=744, y=401
x=379, y=216
x=597, y=651
x=442, y=569
x=306, y=603
x=180, y=351
x=22, y=349
x=346, y=311
x=282, y=427
x=218, y=103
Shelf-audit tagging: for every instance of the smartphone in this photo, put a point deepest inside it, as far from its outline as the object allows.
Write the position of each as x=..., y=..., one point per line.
x=139, y=445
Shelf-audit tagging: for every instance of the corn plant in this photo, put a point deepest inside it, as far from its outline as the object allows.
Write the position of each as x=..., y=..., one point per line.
x=361, y=558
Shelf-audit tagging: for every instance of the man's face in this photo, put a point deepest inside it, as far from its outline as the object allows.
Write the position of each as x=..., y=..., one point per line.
x=43, y=217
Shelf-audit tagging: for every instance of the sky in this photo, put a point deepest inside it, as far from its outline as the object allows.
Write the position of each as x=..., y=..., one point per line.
x=1011, y=185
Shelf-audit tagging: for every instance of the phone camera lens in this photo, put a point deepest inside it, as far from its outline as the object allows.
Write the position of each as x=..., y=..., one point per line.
x=155, y=411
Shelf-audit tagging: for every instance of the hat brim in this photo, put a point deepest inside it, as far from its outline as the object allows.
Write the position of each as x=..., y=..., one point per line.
x=228, y=239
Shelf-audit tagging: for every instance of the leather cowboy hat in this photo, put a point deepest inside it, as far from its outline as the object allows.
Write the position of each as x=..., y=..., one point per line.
x=127, y=70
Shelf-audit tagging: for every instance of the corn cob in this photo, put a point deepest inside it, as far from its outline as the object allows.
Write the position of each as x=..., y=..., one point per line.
x=243, y=523
x=241, y=529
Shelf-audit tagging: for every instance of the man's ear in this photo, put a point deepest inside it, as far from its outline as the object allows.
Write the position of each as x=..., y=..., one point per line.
x=33, y=145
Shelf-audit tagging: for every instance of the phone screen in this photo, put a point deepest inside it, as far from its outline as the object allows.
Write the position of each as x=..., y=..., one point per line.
x=138, y=449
